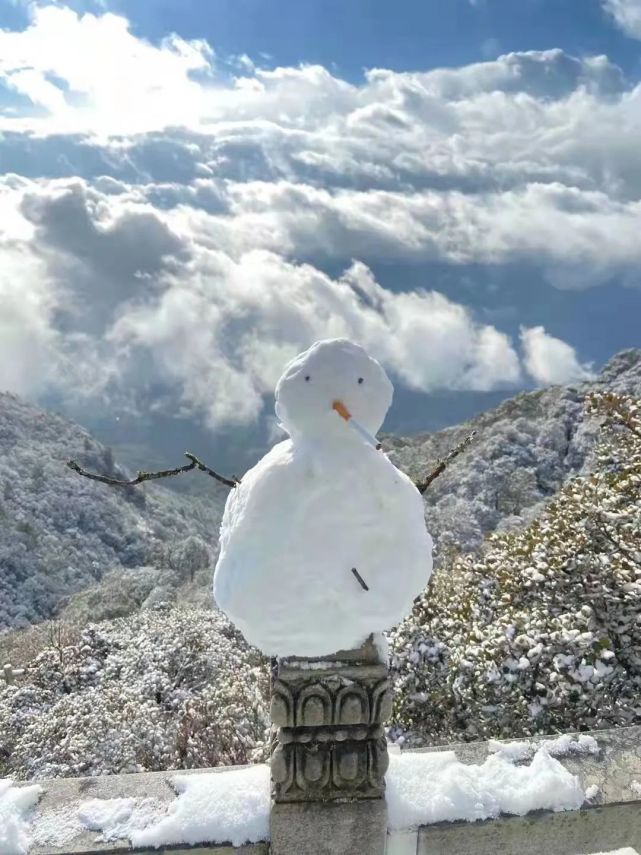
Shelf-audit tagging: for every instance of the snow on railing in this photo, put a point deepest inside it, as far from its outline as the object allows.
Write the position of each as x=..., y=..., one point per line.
x=572, y=794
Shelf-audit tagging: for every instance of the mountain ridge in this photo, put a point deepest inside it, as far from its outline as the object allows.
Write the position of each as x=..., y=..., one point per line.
x=108, y=551
x=524, y=449
x=60, y=534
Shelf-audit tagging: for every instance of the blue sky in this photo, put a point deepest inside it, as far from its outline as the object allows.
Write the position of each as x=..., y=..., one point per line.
x=349, y=35
x=194, y=191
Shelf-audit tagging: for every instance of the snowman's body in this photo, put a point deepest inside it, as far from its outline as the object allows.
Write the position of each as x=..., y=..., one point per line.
x=316, y=506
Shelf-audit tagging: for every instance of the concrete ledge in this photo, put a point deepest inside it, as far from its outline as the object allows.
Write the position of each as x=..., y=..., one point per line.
x=65, y=792
x=576, y=832
x=610, y=820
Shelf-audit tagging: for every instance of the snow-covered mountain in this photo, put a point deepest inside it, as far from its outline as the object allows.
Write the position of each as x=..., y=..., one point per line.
x=61, y=534
x=523, y=452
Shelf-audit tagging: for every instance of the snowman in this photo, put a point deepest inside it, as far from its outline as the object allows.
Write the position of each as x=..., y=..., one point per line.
x=324, y=540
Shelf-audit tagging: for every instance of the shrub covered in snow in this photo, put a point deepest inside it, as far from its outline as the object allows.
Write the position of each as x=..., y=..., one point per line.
x=60, y=534
x=164, y=689
x=542, y=631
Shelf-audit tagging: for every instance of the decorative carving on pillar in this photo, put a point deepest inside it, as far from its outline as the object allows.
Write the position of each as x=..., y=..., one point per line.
x=328, y=741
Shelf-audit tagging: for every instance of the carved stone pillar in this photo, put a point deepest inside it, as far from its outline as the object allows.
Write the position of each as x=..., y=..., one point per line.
x=328, y=742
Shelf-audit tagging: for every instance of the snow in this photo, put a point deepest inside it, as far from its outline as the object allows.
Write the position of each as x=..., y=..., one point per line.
x=118, y=818
x=15, y=805
x=513, y=751
x=316, y=506
x=627, y=851
x=215, y=807
x=432, y=787
x=382, y=647
x=560, y=746
x=57, y=826
x=566, y=744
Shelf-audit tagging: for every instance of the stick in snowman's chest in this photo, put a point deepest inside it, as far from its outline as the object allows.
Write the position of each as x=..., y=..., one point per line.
x=342, y=411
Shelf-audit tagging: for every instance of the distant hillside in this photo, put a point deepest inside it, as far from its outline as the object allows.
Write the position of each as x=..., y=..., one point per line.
x=524, y=451
x=114, y=550
x=60, y=533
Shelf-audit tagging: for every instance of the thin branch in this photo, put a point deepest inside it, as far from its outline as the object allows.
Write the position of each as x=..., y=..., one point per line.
x=194, y=463
x=361, y=581
x=615, y=542
x=424, y=483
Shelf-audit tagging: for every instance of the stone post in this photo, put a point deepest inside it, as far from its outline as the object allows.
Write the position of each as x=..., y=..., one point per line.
x=329, y=754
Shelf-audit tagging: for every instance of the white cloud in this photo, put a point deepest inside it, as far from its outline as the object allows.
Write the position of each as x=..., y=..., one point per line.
x=531, y=156
x=627, y=15
x=178, y=259
x=548, y=360
x=135, y=305
x=92, y=66
x=29, y=355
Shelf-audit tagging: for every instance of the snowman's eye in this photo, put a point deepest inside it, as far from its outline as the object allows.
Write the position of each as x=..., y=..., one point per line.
x=307, y=378
x=360, y=380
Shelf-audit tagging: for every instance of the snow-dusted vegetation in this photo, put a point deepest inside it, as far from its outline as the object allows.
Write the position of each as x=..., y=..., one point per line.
x=524, y=451
x=60, y=533
x=164, y=689
x=541, y=632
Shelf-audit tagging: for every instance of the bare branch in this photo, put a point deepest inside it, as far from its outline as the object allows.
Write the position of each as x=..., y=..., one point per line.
x=194, y=463
x=424, y=483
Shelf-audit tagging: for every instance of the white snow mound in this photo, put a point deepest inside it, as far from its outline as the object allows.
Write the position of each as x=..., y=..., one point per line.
x=430, y=787
x=118, y=818
x=15, y=805
x=214, y=807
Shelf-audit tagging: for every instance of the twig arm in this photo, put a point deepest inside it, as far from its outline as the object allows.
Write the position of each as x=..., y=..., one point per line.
x=228, y=482
x=194, y=463
x=423, y=483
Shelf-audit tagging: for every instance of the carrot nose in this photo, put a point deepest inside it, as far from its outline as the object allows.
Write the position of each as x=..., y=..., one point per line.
x=342, y=410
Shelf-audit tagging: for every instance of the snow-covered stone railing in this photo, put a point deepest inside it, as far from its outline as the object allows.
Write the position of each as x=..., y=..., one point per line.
x=562, y=796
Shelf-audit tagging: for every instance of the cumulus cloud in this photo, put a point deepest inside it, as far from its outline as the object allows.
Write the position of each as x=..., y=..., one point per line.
x=28, y=341
x=73, y=64
x=140, y=303
x=531, y=156
x=178, y=232
x=627, y=15
x=549, y=360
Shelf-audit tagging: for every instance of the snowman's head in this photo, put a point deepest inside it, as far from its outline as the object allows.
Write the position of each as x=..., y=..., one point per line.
x=332, y=380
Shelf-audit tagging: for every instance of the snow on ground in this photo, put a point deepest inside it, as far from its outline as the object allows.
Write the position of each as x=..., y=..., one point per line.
x=432, y=787
x=592, y=792
x=217, y=807
x=15, y=804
